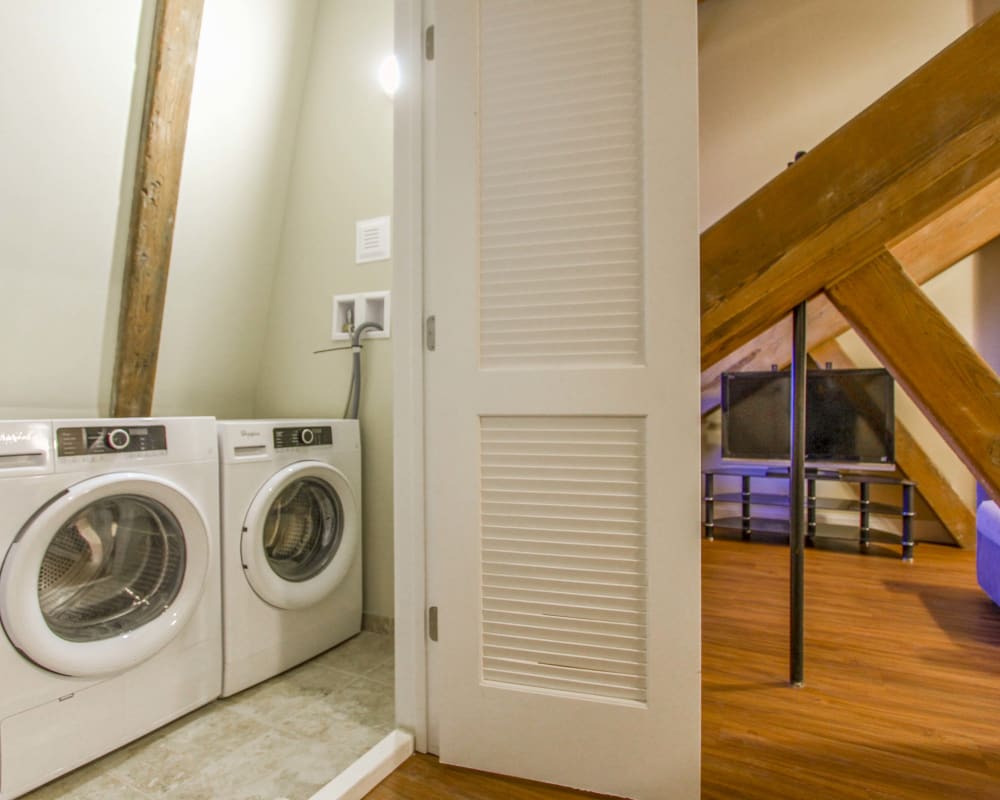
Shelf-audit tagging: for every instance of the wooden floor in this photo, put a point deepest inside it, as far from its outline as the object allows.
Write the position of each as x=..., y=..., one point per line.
x=902, y=694
x=423, y=778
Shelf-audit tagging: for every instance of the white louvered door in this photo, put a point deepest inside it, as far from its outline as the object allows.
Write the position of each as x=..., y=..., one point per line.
x=562, y=412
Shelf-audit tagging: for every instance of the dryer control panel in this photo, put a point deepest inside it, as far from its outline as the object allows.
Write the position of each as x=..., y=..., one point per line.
x=303, y=436
x=108, y=439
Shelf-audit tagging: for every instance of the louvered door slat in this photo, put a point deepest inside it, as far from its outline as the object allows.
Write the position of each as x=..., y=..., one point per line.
x=568, y=680
x=560, y=183
x=573, y=629
x=563, y=559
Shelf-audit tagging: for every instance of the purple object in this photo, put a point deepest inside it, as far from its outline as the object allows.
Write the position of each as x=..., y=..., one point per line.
x=988, y=549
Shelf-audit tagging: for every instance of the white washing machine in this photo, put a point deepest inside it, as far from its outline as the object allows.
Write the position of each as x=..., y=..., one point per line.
x=291, y=543
x=109, y=587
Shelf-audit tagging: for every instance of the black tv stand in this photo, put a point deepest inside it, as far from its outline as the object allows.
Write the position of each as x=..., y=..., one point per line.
x=747, y=524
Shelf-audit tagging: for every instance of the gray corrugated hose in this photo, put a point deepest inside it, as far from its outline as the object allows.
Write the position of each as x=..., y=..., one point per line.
x=354, y=392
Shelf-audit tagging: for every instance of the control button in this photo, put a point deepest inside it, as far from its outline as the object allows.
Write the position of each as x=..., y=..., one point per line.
x=118, y=439
x=306, y=436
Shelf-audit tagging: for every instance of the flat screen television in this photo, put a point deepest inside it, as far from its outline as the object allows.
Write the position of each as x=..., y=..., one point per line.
x=850, y=418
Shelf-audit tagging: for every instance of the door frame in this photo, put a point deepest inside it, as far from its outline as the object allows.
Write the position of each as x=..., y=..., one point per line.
x=410, y=534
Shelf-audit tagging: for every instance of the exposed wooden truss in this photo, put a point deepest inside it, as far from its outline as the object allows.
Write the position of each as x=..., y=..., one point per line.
x=929, y=144
x=914, y=179
x=913, y=461
x=947, y=379
x=154, y=205
x=925, y=252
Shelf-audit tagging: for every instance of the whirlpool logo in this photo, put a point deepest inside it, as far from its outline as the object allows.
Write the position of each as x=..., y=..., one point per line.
x=250, y=434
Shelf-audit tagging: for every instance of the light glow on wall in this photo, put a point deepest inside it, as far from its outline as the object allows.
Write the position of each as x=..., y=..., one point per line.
x=388, y=75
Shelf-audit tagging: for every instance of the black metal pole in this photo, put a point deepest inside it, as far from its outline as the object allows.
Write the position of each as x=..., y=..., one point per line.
x=796, y=496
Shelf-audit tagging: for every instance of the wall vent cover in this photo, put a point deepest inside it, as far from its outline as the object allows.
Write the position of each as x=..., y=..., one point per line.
x=372, y=243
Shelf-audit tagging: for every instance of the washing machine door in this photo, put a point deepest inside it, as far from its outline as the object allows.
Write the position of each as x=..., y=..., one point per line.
x=104, y=575
x=301, y=535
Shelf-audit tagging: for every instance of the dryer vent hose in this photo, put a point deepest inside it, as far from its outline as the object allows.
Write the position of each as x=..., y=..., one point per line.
x=354, y=392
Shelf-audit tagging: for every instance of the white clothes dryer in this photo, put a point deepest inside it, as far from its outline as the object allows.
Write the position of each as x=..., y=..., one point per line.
x=291, y=543
x=109, y=586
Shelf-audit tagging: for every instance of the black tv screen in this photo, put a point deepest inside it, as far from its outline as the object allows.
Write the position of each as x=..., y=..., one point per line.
x=850, y=416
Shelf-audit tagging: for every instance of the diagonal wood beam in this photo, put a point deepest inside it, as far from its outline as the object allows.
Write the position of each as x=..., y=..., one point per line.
x=956, y=231
x=930, y=143
x=913, y=461
x=154, y=204
x=959, y=230
x=957, y=391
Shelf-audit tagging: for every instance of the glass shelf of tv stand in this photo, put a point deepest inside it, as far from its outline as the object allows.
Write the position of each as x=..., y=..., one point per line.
x=862, y=532
x=824, y=503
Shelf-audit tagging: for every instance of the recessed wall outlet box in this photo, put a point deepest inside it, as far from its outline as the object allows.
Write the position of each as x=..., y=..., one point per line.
x=350, y=310
x=372, y=240
x=375, y=308
x=345, y=318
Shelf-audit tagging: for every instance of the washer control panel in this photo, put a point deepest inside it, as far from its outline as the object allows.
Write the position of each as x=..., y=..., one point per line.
x=98, y=441
x=303, y=436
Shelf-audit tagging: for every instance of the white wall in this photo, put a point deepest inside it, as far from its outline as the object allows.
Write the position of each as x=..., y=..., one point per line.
x=72, y=103
x=250, y=74
x=66, y=79
x=780, y=77
x=342, y=172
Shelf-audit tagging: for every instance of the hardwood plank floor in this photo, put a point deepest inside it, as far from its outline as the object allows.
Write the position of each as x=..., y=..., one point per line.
x=902, y=694
x=424, y=778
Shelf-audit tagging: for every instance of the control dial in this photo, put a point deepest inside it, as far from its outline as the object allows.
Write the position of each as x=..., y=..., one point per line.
x=306, y=436
x=118, y=439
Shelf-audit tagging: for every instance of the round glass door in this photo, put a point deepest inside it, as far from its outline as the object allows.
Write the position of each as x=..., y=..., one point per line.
x=105, y=575
x=115, y=566
x=303, y=529
x=301, y=535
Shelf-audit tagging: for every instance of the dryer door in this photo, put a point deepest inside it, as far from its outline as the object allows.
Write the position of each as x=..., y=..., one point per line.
x=301, y=535
x=105, y=575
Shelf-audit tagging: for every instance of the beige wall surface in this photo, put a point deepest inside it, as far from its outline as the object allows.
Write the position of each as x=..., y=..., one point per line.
x=779, y=77
x=250, y=74
x=66, y=79
x=776, y=78
x=73, y=99
x=342, y=173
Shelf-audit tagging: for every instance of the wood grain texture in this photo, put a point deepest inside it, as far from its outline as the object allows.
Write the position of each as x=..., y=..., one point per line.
x=901, y=690
x=931, y=142
x=154, y=204
x=924, y=253
x=951, y=383
x=956, y=232
x=423, y=777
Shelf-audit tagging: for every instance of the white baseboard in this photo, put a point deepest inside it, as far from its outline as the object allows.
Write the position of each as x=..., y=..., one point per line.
x=370, y=770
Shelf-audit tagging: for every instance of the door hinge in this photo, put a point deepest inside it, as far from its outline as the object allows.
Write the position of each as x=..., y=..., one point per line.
x=431, y=333
x=429, y=43
x=432, y=623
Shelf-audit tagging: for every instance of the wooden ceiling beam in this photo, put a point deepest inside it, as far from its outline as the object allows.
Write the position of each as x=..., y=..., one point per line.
x=912, y=460
x=951, y=383
x=957, y=231
x=154, y=204
x=925, y=252
x=929, y=144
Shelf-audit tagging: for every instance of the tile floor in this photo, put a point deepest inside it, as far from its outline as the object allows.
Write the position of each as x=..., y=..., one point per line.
x=282, y=739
